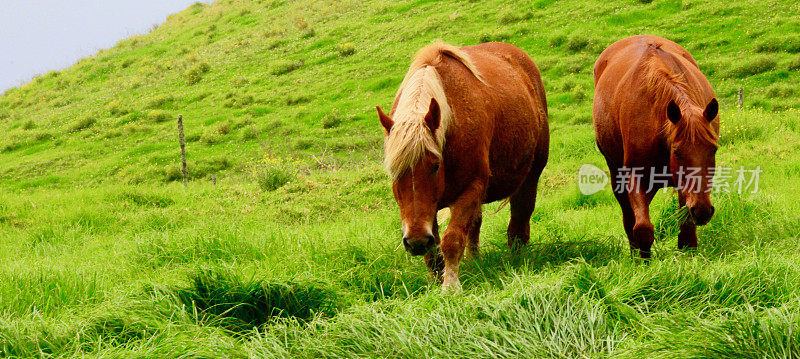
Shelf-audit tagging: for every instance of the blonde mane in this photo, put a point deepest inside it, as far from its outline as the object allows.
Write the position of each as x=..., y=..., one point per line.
x=410, y=138
x=665, y=80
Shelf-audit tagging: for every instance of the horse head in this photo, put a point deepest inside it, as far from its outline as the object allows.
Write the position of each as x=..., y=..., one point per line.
x=693, y=151
x=415, y=164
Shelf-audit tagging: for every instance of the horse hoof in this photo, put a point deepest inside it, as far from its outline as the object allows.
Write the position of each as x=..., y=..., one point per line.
x=452, y=287
x=451, y=283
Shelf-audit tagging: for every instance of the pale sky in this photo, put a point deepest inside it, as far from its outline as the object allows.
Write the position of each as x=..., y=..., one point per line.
x=37, y=36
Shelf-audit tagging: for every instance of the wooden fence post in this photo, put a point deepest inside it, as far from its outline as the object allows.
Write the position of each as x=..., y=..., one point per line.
x=182, y=140
x=741, y=98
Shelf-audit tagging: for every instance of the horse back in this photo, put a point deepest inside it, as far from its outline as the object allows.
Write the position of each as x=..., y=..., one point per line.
x=618, y=50
x=500, y=124
x=627, y=122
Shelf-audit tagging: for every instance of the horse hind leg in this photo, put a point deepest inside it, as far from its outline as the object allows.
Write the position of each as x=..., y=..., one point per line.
x=523, y=203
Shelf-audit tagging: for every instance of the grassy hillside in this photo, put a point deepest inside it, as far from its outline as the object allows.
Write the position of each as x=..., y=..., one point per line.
x=295, y=252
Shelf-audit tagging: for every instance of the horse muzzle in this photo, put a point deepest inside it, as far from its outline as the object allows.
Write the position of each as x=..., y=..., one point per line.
x=701, y=215
x=418, y=246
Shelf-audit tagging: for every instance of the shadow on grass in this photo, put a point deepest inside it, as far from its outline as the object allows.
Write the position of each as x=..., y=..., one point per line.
x=494, y=262
x=219, y=297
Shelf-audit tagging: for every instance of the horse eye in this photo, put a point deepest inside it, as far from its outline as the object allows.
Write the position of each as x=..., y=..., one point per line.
x=435, y=167
x=676, y=154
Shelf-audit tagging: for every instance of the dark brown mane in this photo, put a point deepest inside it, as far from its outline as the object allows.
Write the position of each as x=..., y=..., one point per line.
x=663, y=76
x=665, y=80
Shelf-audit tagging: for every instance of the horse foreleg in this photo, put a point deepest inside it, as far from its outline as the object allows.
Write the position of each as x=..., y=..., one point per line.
x=687, y=237
x=434, y=259
x=455, y=238
x=628, y=218
x=474, y=234
x=643, y=234
x=435, y=263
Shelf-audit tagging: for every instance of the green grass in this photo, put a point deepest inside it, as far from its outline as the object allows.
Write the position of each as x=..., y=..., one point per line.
x=295, y=252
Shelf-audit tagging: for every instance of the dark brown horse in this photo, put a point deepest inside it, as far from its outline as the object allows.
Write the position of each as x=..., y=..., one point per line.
x=655, y=116
x=468, y=126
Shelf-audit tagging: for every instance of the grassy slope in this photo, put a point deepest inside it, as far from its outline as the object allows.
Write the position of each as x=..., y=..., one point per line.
x=103, y=254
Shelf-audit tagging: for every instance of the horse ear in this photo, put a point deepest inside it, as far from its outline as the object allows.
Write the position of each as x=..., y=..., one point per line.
x=386, y=121
x=711, y=110
x=434, y=115
x=673, y=112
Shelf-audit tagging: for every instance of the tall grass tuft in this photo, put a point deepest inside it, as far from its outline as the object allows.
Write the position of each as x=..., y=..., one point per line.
x=286, y=67
x=774, y=333
x=668, y=222
x=753, y=66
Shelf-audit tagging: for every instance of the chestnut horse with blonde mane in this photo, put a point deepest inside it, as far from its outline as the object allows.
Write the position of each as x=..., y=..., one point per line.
x=468, y=126
x=655, y=112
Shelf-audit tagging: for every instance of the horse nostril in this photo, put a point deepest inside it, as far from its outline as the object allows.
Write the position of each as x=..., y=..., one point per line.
x=430, y=239
x=710, y=211
x=405, y=242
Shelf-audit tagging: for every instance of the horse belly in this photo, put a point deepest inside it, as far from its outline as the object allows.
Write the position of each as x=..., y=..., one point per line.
x=511, y=159
x=503, y=188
